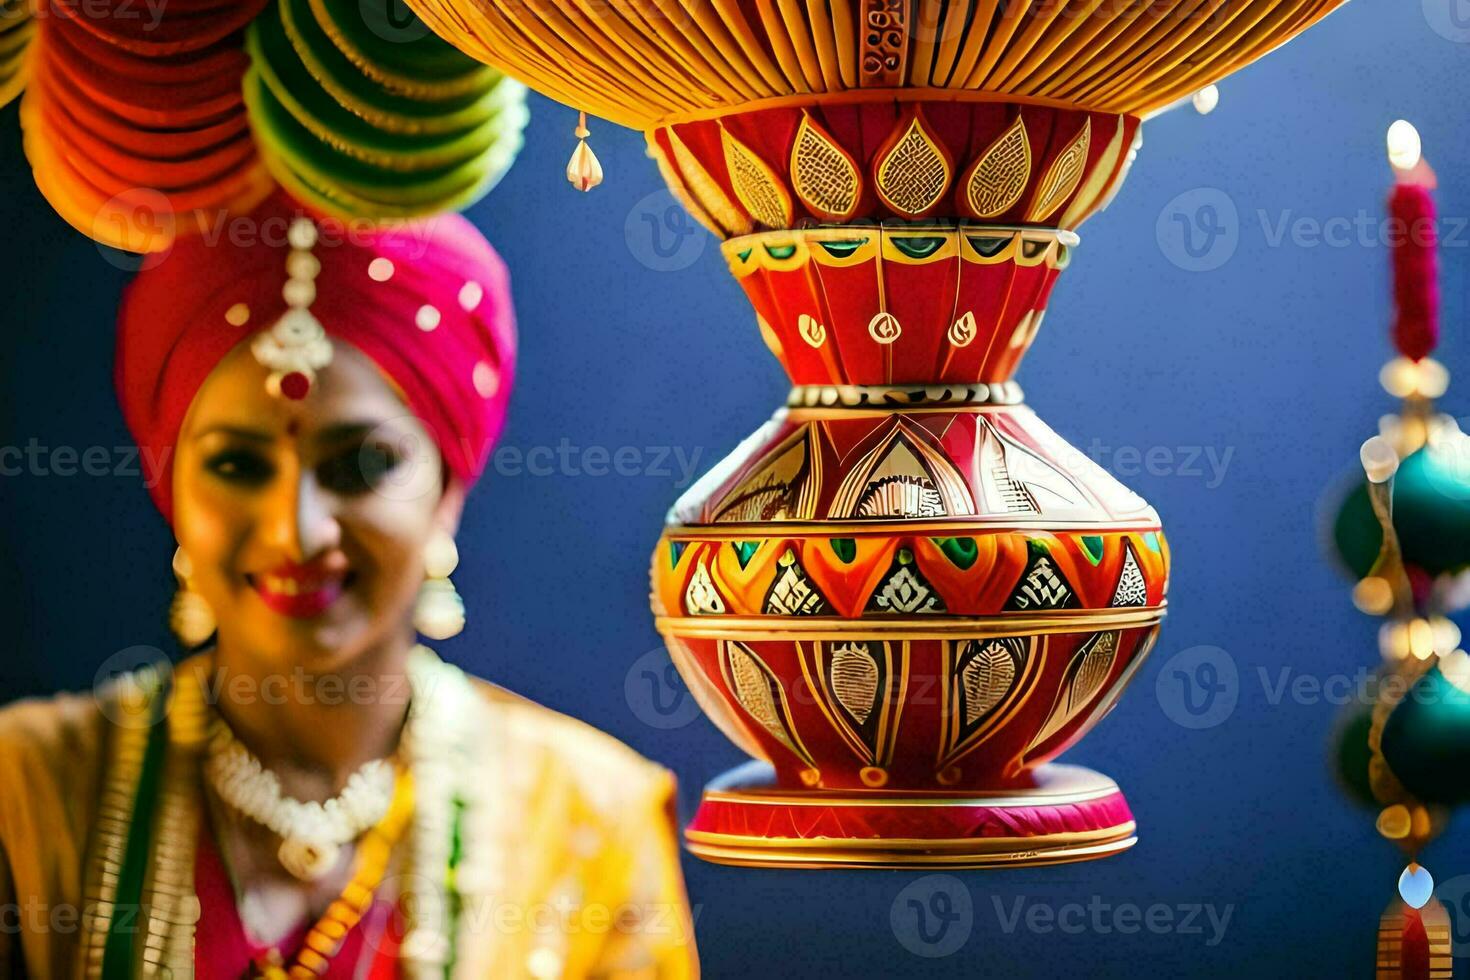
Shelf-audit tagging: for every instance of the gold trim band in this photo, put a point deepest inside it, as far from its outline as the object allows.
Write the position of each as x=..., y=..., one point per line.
x=968, y=526
x=908, y=627
x=889, y=397
x=870, y=95
x=976, y=853
x=916, y=798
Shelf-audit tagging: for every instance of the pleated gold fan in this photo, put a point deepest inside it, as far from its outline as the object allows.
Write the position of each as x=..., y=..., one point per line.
x=640, y=62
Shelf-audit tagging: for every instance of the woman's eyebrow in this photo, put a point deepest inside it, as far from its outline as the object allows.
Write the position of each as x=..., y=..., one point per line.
x=237, y=432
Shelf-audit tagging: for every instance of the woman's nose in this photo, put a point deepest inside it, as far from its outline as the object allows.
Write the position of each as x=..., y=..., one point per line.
x=301, y=523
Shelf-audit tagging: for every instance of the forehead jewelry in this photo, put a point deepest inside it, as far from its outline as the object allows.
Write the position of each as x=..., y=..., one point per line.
x=296, y=348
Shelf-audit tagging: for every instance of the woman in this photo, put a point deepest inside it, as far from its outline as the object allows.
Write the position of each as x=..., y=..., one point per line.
x=316, y=794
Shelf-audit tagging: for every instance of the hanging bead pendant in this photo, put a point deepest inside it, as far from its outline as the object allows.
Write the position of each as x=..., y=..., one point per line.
x=584, y=171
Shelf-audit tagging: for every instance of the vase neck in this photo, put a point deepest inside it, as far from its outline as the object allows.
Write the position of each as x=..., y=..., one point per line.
x=912, y=306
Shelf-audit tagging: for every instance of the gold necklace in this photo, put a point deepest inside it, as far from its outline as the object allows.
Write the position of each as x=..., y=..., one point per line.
x=344, y=913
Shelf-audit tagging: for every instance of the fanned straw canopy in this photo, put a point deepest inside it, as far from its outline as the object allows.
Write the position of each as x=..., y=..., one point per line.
x=640, y=62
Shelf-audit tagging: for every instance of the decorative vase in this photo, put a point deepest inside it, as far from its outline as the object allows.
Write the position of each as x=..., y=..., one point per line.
x=905, y=594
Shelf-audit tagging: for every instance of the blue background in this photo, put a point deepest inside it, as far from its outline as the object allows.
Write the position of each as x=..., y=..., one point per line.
x=1271, y=357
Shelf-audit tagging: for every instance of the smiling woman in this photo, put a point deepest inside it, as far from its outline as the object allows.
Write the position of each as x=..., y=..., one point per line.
x=314, y=793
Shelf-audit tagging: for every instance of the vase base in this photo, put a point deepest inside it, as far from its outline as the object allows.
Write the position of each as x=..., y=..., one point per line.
x=1070, y=814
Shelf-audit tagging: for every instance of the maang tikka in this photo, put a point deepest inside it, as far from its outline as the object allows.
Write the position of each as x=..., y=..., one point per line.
x=296, y=348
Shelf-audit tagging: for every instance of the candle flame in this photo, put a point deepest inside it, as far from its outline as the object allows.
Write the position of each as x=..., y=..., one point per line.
x=1405, y=149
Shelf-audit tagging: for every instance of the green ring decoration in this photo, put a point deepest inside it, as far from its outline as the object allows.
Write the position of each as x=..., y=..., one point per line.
x=423, y=67
x=365, y=127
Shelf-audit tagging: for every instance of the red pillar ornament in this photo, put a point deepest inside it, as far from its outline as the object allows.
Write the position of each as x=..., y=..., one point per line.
x=1415, y=244
x=1414, y=944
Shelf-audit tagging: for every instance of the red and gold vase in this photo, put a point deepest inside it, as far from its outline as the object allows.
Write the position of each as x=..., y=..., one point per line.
x=905, y=595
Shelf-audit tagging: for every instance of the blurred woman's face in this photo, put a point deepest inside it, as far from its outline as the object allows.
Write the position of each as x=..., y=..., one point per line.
x=306, y=521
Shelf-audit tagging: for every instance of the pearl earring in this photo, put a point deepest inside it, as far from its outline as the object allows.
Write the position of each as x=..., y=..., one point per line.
x=189, y=616
x=439, y=613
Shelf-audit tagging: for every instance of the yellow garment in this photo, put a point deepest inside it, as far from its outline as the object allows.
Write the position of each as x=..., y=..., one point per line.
x=590, y=883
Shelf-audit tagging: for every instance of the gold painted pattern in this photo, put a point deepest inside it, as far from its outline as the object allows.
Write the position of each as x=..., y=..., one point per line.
x=885, y=328
x=914, y=174
x=986, y=680
x=855, y=680
x=999, y=177
x=756, y=184
x=1090, y=196
x=825, y=177
x=1132, y=589
x=811, y=330
x=752, y=685
x=902, y=456
x=1089, y=669
x=964, y=331
x=705, y=190
x=875, y=745
x=1063, y=176
x=885, y=42
x=1026, y=651
x=701, y=599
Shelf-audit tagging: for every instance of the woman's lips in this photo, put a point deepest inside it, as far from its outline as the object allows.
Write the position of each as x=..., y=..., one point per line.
x=299, y=592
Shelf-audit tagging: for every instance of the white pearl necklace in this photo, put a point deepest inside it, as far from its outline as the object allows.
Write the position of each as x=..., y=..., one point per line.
x=312, y=834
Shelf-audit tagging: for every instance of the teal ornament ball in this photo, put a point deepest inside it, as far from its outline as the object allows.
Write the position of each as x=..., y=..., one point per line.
x=1426, y=740
x=1431, y=501
x=1350, y=752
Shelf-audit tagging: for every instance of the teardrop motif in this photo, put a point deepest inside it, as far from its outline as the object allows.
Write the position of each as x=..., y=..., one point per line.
x=999, y=177
x=962, y=334
x=855, y=680
x=811, y=330
x=914, y=174
x=703, y=188
x=885, y=328
x=1089, y=669
x=986, y=679
x=1063, y=176
x=756, y=184
x=826, y=178
x=753, y=690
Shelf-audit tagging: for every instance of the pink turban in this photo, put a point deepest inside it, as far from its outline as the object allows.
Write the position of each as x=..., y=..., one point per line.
x=428, y=301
